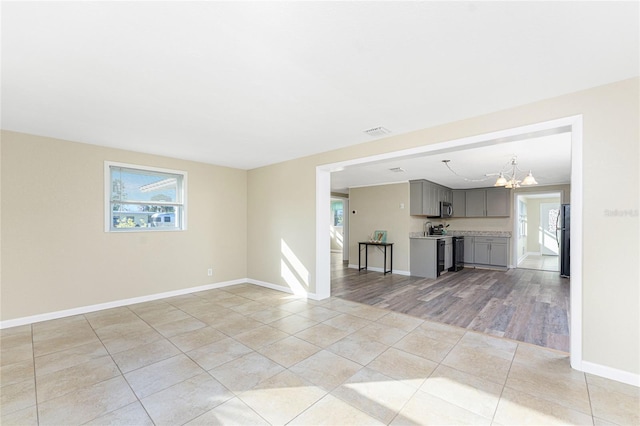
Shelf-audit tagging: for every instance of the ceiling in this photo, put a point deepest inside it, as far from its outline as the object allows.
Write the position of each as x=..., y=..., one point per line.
x=548, y=157
x=247, y=84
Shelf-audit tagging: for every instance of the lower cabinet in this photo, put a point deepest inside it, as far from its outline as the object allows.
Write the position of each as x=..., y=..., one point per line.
x=492, y=251
x=469, y=249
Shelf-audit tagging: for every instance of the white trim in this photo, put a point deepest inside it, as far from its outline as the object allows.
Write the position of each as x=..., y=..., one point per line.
x=282, y=288
x=611, y=373
x=323, y=239
x=572, y=124
x=114, y=304
x=575, y=290
x=378, y=184
x=107, y=196
x=132, y=301
x=516, y=196
x=376, y=269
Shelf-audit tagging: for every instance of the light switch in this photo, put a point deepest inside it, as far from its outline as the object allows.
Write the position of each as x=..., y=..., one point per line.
x=401, y=206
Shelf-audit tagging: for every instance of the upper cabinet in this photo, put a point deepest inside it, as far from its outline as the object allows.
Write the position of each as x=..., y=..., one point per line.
x=425, y=197
x=490, y=202
x=475, y=203
x=459, y=202
x=498, y=204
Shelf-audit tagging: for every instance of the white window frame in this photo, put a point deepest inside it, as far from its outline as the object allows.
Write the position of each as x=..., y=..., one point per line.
x=182, y=194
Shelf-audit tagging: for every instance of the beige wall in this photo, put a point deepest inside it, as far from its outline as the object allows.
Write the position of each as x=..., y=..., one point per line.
x=282, y=198
x=379, y=208
x=75, y=263
x=56, y=255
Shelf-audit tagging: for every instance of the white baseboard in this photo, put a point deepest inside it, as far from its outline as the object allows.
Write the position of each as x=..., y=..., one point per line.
x=376, y=269
x=124, y=302
x=284, y=289
x=114, y=304
x=610, y=373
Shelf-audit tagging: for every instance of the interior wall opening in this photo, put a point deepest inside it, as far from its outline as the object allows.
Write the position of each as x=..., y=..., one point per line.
x=537, y=235
x=569, y=124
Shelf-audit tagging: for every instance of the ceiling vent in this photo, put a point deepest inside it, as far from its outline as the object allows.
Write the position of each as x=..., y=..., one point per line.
x=397, y=170
x=377, y=131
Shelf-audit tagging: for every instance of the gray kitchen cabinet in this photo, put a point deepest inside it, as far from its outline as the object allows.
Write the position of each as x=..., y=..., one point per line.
x=498, y=204
x=475, y=203
x=481, y=253
x=425, y=197
x=432, y=207
x=489, y=202
x=415, y=198
x=445, y=194
x=469, y=249
x=499, y=254
x=493, y=251
x=423, y=257
x=459, y=203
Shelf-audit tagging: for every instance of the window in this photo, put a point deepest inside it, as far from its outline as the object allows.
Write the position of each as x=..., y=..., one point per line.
x=337, y=213
x=142, y=198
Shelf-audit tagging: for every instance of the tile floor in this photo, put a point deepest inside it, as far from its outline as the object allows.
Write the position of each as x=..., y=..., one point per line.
x=254, y=356
x=541, y=263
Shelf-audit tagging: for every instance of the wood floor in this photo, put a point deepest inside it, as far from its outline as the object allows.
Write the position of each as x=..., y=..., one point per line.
x=520, y=304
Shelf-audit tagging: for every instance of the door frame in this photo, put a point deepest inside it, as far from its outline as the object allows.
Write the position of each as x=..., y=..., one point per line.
x=345, y=225
x=574, y=124
x=541, y=224
x=515, y=256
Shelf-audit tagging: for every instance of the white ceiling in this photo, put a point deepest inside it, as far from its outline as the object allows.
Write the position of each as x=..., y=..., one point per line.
x=547, y=157
x=246, y=84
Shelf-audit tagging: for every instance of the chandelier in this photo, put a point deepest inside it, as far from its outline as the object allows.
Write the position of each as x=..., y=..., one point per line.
x=509, y=179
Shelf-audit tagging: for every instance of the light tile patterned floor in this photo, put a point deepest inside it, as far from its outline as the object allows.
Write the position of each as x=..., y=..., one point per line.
x=541, y=263
x=254, y=356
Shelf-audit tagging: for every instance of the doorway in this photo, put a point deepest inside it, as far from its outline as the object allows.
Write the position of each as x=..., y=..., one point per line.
x=571, y=124
x=339, y=230
x=537, y=236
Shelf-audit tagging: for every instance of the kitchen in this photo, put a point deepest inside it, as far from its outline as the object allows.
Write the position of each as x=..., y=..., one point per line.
x=402, y=196
x=427, y=285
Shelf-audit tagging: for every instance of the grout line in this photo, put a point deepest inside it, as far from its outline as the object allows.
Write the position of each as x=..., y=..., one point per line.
x=586, y=382
x=121, y=374
x=35, y=375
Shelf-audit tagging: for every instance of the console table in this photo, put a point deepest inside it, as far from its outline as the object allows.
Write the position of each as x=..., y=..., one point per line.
x=366, y=245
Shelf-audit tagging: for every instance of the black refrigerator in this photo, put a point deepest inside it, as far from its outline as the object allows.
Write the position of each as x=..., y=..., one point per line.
x=565, y=240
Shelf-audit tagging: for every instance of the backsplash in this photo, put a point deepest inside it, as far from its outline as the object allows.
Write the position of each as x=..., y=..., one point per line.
x=468, y=234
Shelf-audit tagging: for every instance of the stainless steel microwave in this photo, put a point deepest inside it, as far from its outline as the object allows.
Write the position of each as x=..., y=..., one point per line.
x=446, y=209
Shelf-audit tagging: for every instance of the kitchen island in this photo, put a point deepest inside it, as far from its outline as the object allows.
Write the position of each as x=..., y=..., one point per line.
x=430, y=256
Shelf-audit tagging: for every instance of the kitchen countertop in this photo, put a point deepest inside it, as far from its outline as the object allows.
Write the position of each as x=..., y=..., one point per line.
x=506, y=234
x=428, y=237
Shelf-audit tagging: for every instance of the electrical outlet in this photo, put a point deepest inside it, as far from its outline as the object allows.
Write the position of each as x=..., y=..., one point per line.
x=210, y=272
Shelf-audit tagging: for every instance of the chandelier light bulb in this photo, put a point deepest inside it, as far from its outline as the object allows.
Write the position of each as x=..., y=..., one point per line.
x=529, y=180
